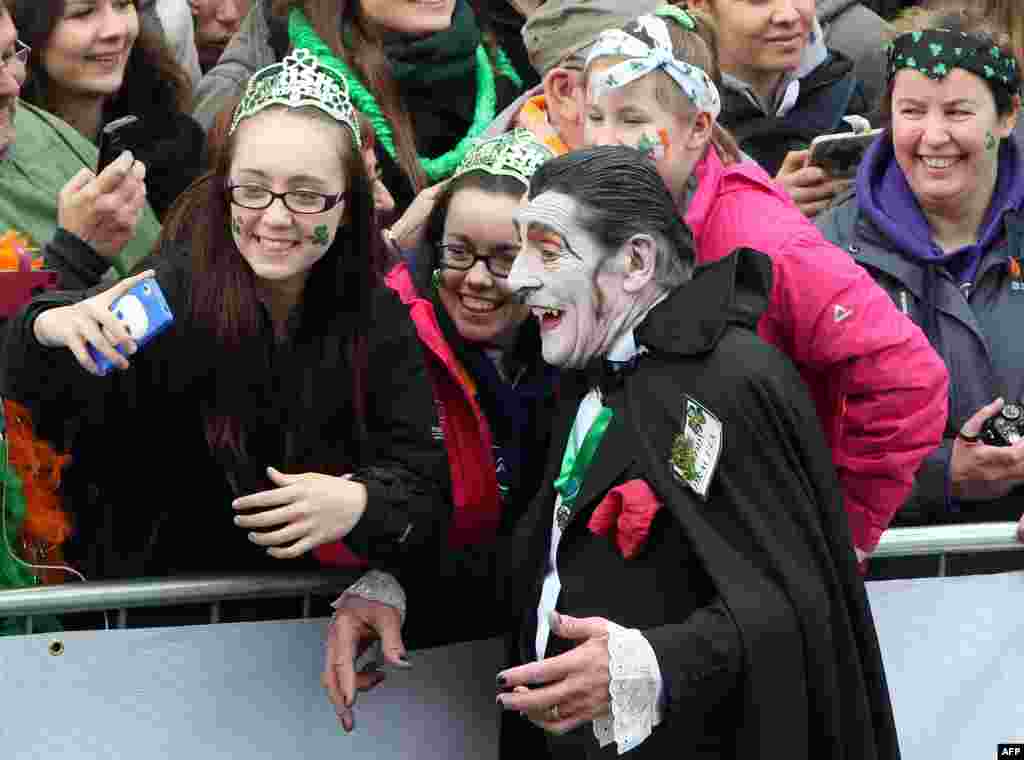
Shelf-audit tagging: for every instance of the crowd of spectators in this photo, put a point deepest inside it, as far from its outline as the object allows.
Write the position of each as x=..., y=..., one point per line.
x=382, y=370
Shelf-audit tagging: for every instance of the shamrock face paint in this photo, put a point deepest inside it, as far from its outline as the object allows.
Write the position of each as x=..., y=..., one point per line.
x=320, y=236
x=279, y=244
x=570, y=283
x=654, y=148
x=633, y=115
x=945, y=133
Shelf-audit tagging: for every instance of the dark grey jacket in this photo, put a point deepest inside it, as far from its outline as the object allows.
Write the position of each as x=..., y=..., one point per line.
x=980, y=340
x=859, y=33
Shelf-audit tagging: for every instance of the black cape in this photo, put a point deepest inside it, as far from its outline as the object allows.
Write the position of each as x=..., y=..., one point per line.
x=771, y=532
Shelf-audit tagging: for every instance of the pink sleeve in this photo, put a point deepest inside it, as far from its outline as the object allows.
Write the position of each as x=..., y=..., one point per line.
x=880, y=388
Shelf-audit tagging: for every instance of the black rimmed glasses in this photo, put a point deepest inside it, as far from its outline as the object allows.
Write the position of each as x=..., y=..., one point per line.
x=257, y=198
x=458, y=256
x=20, y=55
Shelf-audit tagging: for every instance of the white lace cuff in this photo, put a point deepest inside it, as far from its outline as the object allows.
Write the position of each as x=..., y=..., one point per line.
x=635, y=690
x=377, y=586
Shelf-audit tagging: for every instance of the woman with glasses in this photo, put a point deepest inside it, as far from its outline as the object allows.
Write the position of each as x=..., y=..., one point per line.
x=288, y=405
x=493, y=390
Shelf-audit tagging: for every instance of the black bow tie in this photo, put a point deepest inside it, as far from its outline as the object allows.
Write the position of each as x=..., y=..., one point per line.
x=608, y=375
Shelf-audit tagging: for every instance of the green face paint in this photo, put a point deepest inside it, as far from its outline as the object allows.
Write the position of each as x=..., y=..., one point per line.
x=236, y=225
x=320, y=235
x=990, y=141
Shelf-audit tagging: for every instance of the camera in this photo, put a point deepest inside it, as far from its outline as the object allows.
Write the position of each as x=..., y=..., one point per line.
x=1005, y=428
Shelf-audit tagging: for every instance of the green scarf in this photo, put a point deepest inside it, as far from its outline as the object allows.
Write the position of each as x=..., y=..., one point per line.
x=441, y=57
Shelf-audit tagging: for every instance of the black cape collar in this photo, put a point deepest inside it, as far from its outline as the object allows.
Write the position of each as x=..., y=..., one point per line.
x=731, y=291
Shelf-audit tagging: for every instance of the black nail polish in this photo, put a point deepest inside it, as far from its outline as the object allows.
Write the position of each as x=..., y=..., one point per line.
x=500, y=680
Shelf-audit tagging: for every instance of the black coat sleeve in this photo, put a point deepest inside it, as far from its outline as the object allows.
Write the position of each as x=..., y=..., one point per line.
x=77, y=262
x=51, y=382
x=701, y=661
x=405, y=469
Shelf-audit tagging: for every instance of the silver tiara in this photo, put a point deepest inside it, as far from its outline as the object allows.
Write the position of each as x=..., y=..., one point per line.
x=299, y=80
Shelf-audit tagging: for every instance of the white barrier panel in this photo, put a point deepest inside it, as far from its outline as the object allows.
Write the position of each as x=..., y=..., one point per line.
x=953, y=650
x=241, y=690
x=954, y=656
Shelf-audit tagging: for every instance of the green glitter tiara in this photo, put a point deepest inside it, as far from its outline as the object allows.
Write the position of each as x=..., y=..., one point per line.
x=936, y=52
x=513, y=154
x=299, y=80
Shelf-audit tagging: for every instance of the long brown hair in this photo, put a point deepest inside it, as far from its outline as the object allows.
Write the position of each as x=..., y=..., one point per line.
x=366, y=57
x=152, y=76
x=226, y=309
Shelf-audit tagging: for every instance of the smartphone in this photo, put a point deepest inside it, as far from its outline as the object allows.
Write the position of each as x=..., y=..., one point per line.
x=840, y=154
x=115, y=138
x=144, y=312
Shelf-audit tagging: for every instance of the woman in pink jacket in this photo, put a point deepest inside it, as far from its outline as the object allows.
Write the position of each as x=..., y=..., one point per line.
x=879, y=387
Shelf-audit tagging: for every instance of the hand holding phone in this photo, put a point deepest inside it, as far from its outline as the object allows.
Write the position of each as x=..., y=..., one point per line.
x=143, y=313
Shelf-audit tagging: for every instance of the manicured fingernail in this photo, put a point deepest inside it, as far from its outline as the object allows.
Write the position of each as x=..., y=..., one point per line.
x=238, y=519
x=498, y=701
x=501, y=681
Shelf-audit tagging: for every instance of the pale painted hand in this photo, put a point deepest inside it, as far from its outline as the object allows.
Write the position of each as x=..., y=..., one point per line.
x=576, y=683
x=308, y=510
x=90, y=321
x=358, y=623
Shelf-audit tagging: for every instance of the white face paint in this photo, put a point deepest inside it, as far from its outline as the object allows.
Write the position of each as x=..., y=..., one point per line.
x=572, y=284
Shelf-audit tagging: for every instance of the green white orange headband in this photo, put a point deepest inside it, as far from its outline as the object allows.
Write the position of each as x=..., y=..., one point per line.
x=647, y=46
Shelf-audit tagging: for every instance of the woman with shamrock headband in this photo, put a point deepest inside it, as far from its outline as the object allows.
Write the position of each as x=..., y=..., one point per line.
x=938, y=220
x=268, y=420
x=423, y=73
x=880, y=391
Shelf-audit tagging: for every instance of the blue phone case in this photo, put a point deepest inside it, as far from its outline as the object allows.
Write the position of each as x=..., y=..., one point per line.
x=144, y=312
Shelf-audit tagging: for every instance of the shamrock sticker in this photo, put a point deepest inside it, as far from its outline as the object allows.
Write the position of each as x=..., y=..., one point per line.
x=912, y=63
x=916, y=36
x=936, y=49
x=989, y=72
x=684, y=458
x=940, y=69
x=320, y=234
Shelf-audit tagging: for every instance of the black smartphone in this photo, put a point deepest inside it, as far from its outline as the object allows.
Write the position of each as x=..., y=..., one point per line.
x=115, y=138
x=840, y=154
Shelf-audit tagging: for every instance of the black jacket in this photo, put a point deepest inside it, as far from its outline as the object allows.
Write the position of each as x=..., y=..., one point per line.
x=750, y=598
x=169, y=498
x=827, y=94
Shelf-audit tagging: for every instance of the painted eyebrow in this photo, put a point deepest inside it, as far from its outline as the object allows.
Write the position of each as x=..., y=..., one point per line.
x=548, y=229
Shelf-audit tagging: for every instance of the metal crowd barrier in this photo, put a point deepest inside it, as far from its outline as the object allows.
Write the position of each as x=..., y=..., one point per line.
x=121, y=596
x=944, y=540
x=124, y=595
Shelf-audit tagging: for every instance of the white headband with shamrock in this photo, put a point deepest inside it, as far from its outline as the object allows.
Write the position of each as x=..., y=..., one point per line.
x=644, y=58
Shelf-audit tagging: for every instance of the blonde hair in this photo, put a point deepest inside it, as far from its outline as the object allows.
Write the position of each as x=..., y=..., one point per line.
x=697, y=48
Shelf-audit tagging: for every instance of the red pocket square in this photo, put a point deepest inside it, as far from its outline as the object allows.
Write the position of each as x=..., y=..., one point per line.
x=625, y=515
